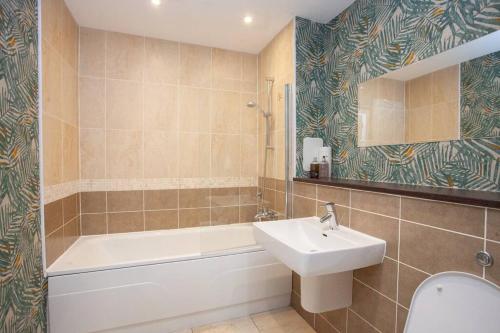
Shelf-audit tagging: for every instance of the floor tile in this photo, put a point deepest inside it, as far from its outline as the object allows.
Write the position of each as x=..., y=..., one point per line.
x=281, y=321
x=242, y=325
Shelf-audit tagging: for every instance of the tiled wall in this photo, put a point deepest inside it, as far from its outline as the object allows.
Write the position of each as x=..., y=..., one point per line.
x=275, y=61
x=273, y=193
x=60, y=130
x=165, y=113
x=129, y=211
x=423, y=238
x=60, y=95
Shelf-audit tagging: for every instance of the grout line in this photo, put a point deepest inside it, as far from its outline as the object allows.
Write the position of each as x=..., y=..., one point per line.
x=373, y=289
x=447, y=230
x=363, y=319
x=397, y=265
x=485, y=235
x=329, y=324
x=106, y=123
x=143, y=129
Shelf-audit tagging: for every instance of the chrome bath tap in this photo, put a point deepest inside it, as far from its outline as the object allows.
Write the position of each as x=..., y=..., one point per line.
x=330, y=216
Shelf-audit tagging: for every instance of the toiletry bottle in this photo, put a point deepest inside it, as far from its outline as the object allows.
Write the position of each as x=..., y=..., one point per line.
x=323, y=168
x=314, y=173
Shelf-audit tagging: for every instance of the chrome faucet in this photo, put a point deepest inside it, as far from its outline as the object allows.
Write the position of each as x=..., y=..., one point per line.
x=331, y=216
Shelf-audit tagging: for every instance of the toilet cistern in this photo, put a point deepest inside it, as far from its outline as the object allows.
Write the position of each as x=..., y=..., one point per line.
x=330, y=216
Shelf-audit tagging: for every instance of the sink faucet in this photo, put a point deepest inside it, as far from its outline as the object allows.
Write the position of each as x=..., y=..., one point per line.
x=331, y=216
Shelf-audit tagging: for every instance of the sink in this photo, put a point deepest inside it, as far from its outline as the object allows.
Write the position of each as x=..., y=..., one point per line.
x=323, y=258
x=310, y=248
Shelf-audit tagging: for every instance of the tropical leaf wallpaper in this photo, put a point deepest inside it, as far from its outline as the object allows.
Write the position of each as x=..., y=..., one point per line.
x=22, y=284
x=480, y=97
x=371, y=38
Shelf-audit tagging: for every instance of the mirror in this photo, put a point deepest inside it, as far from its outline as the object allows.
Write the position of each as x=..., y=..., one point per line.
x=450, y=96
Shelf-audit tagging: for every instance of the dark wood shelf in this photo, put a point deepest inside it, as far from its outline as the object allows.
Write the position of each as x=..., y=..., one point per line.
x=476, y=198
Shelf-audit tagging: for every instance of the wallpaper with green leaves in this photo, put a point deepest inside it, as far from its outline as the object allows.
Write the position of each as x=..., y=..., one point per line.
x=480, y=97
x=367, y=40
x=22, y=284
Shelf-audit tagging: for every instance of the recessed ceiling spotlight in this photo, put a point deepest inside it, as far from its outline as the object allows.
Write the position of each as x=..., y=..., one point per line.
x=156, y=3
x=248, y=19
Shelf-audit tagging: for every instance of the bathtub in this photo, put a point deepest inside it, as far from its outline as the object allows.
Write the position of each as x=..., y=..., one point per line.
x=163, y=281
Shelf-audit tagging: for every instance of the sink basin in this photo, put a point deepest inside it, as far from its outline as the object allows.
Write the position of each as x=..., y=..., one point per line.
x=310, y=248
x=323, y=258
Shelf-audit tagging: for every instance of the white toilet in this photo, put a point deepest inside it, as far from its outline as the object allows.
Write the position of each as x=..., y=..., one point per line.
x=455, y=302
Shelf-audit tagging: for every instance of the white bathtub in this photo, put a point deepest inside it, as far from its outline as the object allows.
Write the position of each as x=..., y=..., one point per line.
x=163, y=281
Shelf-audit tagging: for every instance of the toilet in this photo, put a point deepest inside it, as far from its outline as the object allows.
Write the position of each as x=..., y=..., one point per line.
x=455, y=302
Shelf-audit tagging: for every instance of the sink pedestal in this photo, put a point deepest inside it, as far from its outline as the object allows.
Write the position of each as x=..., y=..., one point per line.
x=326, y=292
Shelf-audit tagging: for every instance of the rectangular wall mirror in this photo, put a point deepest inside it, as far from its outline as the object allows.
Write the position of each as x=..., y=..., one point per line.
x=453, y=95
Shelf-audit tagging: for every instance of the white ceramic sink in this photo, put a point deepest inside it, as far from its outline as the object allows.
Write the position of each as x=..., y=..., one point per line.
x=323, y=258
x=310, y=248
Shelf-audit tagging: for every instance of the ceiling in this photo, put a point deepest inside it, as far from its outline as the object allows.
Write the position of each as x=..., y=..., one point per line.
x=216, y=23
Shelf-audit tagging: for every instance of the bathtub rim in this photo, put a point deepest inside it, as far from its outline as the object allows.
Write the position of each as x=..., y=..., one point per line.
x=50, y=272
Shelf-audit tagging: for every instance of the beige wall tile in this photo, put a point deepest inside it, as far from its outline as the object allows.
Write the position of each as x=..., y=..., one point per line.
x=94, y=224
x=197, y=217
x=70, y=157
x=225, y=112
x=492, y=273
x=445, y=121
x=52, y=150
x=195, y=65
x=161, y=61
x=92, y=153
x=92, y=103
x=52, y=11
x=445, y=85
x=162, y=219
x=70, y=39
x=493, y=225
x=161, y=156
x=52, y=80
x=409, y=280
x=420, y=246
x=69, y=100
x=194, y=198
x=249, y=151
x=303, y=207
x=227, y=69
x=465, y=219
x=376, y=309
x=125, y=222
x=304, y=190
x=194, y=155
x=375, y=202
x=160, y=107
x=71, y=232
x=224, y=215
x=249, y=116
x=70, y=207
x=402, y=315
x=53, y=216
x=247, y=213
x=124, y=56
x=123, y=104
x=124, y=201
x=248, y=195
x=92, y=52
x=358, y=325
x=54, y=246
x=382, y=277
x=250, y=72
x=225, y=156
x=337, y=319
x=194, y=109
x=161, y=199
x=123, y=154
x=339, y=196
x=93, y=202
x=228, y=196
x=378, y=226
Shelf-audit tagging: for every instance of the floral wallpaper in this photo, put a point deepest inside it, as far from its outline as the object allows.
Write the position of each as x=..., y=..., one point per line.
x=480, y=97
x=371, y=38
x=22, y=284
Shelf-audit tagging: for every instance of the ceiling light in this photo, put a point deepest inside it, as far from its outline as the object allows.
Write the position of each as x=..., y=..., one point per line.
x=156, y=3
x=248, y=19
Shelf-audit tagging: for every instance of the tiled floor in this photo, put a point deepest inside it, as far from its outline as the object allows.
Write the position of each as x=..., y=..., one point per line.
x=279, y=321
